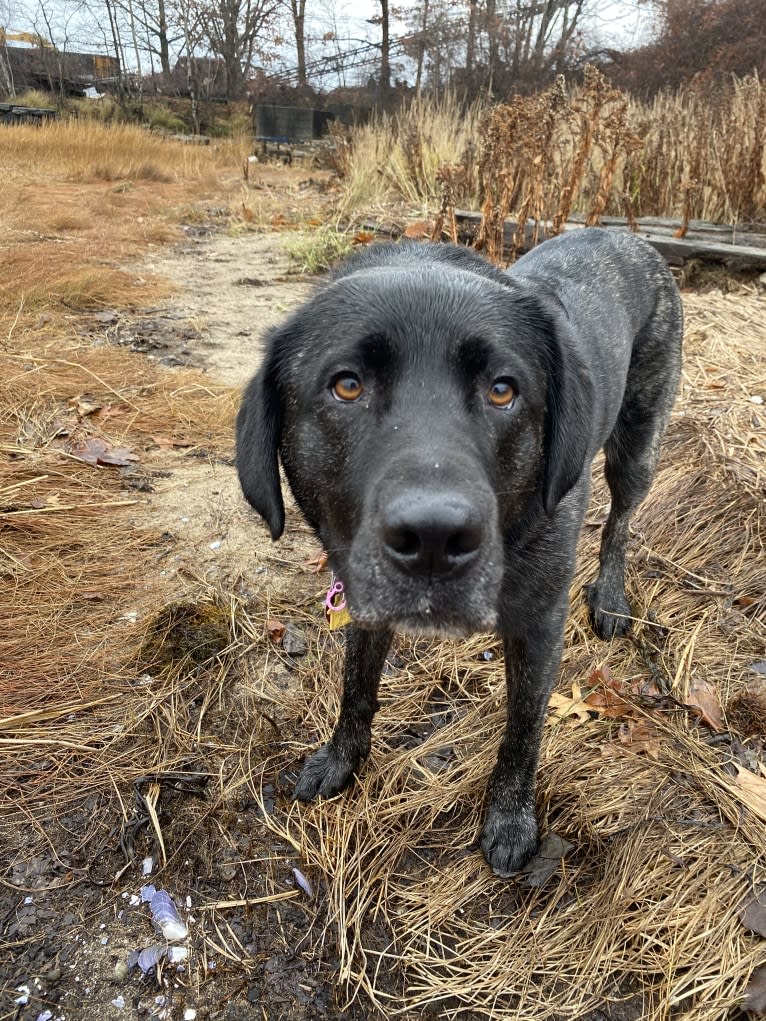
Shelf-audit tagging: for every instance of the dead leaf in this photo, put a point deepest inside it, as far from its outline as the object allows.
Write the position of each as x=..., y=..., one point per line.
x=640, y=736
x=704, y=697
x=275, y=630
x=751, y=790
x=96, y=451
x=755, y=993
x=418, y=230
x=169, y=443
x=753, y=915
x=363, y=237
x=318, y=562
x=647, y=689
x=84, y=406
x=118, y=457
x=111, y=411
x=607, y=699
x=564, y=706
x=545, y=863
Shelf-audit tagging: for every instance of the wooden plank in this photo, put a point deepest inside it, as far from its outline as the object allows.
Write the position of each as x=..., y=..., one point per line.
x=698, y=230
x=709, y=242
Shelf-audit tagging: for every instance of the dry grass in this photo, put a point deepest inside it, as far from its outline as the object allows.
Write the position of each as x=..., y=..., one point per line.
x=81, y=575
x=83, y=150
x=398, y=157
x=80, y=201
x=711, y=140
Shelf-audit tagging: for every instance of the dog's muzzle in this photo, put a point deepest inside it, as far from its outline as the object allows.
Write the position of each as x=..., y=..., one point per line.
x=427, y=557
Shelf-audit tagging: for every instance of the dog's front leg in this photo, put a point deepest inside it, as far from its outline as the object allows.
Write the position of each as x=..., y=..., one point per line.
x=510, y=834
x=329, y=770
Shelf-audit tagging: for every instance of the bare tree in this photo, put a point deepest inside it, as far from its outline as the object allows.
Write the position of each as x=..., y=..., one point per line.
x=494, y=46
x=54, y=27
x=234, y=31
x=421, y=46
x=437, y=42
x=522, y=44
x=470, y=48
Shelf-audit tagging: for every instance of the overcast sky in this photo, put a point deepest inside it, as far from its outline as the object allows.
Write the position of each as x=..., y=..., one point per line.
x=618, y=23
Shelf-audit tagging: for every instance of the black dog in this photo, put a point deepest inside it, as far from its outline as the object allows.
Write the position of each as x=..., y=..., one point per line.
x=436, y=419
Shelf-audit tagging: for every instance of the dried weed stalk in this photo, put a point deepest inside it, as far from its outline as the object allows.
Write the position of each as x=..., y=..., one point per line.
x=546, y=154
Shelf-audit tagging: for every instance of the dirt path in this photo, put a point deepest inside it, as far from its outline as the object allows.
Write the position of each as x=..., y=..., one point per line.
x=231, y=290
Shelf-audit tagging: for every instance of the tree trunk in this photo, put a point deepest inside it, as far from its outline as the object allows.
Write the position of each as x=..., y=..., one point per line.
x=470, y=43
x=299, y=20
x=136, y=51
x=421, y=48
x=6, y=75
x=118, y=49
x=492, y=43
x=231, y=49
x=162, y=37
x=385, y=48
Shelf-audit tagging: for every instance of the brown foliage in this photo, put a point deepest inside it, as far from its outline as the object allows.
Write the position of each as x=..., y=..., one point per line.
x=696, y=40
x=540, y=149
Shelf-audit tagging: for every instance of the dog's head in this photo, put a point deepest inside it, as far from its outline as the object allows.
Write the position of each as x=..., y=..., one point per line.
x=425, y=408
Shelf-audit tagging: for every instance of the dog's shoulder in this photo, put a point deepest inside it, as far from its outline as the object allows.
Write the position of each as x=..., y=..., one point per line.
x=580, y=253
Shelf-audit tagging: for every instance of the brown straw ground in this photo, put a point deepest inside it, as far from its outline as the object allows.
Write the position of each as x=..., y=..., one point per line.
x=667, y=826
x=79, y=573
x=111, y=673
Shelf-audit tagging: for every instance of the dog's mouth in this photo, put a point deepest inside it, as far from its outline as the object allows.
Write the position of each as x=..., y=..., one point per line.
x=381, y=596
x=427, y=623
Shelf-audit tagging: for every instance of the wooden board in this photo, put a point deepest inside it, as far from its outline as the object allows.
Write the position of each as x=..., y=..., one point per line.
x=710, y=242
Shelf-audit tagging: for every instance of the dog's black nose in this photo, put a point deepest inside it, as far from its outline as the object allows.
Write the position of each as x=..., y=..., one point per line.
x=431, y=532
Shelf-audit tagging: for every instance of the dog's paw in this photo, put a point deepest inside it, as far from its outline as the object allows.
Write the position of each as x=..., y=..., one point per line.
x=509, y=840
x=610, y=612
x=325, y=773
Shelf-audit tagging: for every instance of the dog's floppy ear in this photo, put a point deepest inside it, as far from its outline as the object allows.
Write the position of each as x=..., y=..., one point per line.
x=568, y=413
x=259, y=432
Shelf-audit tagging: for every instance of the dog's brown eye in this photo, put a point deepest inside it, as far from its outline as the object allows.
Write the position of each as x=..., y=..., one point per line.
x=347, y=388
x=502, y=393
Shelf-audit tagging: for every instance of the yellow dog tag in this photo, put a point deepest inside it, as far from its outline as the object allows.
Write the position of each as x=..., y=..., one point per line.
x=335, y=606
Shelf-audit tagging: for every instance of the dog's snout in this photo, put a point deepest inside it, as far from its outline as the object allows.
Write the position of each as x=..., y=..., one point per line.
x=431, y=532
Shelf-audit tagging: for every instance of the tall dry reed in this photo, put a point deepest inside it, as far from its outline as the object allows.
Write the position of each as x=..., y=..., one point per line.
x=590, y=149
